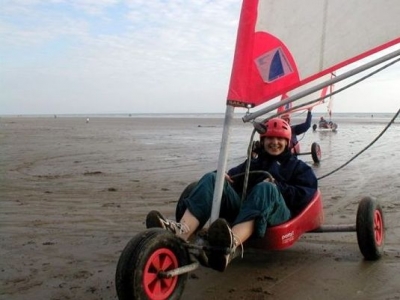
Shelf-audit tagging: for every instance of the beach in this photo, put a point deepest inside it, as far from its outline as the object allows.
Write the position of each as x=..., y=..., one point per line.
x=74, y=192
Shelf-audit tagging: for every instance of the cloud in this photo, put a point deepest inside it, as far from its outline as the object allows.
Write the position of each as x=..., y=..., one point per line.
x=99, y=56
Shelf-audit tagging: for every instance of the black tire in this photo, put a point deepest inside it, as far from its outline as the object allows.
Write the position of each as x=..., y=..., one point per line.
x=316, y=153
x=139, y=263
x=370, y=228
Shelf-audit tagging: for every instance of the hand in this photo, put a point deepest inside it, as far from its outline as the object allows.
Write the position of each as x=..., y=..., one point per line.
x=270, y=179
x=228, y=178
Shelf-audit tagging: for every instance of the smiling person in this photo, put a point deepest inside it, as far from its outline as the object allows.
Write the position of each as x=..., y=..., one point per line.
x=298, y=128
x=269, y=202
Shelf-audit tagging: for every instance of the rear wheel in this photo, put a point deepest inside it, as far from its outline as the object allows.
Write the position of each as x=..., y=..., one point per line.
x=150, y=252
x=370, y=229
x=316, y=152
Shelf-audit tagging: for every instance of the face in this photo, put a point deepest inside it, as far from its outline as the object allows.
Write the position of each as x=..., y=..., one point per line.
x=286, y=118
x=275, y=145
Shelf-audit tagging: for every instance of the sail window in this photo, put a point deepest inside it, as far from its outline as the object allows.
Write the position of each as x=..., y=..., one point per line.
x=273, y=65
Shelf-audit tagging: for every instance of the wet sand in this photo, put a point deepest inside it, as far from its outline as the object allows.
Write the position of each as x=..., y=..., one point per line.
x=72, y=194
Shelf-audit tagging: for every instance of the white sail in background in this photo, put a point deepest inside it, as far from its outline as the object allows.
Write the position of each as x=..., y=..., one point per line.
x=330, y=101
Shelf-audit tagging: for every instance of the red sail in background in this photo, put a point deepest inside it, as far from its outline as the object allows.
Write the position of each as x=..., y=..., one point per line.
x=284, y=44
x=302, y=103
x=286, y=107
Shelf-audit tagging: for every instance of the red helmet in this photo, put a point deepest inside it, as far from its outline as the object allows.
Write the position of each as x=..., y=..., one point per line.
x=277, y=127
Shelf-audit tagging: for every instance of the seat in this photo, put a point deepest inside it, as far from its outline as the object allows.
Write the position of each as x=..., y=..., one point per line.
x=286, y=234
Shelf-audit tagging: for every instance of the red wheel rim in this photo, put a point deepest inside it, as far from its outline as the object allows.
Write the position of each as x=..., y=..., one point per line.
x=378, y=227
x=159, y=288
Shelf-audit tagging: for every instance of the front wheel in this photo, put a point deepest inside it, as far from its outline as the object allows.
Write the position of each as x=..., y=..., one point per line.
x=370, y=229
x=316, y=152
x=150, y=252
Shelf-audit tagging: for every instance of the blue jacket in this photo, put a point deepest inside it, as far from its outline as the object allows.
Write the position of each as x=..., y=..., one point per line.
x=301, y=128
x=294, y=178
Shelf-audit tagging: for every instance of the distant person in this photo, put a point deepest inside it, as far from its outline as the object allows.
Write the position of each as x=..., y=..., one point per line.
x=87, y=120
x=298, y=128
x=323, y=123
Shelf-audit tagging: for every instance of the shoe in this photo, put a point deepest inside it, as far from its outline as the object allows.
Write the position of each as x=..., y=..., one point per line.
x=155, y=219
x=221, y=237
x=198, y=251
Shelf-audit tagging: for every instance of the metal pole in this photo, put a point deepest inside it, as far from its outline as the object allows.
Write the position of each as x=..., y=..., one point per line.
x=179, y=271
x=335, y=228
x=222, y=161
x=320, y=86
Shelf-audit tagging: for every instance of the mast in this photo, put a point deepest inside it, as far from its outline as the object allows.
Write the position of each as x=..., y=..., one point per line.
x=330, y=103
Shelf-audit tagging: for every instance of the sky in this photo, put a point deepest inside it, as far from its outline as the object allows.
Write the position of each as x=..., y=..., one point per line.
x=135, y=56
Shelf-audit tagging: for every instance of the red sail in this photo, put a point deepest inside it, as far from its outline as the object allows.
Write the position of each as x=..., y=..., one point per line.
x=284, y=44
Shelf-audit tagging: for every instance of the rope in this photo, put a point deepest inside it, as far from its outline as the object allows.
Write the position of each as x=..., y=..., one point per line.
x=369, y=145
